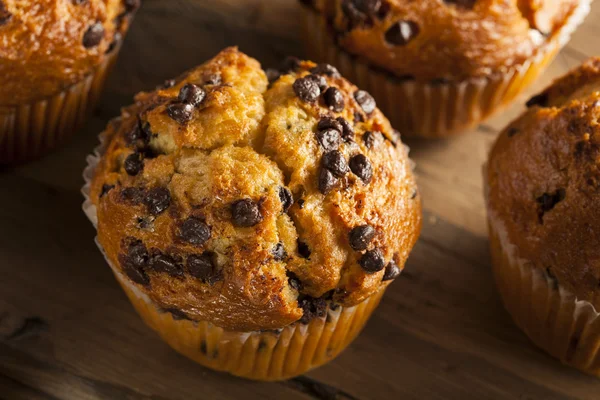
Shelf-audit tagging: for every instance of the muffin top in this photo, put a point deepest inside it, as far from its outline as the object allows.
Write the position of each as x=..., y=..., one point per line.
x=445, y=40
x=254, y=204
x=544, y=181
x=48, y=45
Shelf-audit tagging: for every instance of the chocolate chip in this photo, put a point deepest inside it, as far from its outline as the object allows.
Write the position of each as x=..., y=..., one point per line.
x=347, y=129
x=372, y=261
x=548, y=201
x=401, y=33
x=157, y=200
x=167, y=264
x=132, y=5
x=290, y=64
x=329, y=123
x=414, y=194
x=279, y=252
x=192, y=94
x=327, y=181
x=146, y=223
x=354, y=16
x=169, y=83
x=329, y=139
x=301, y=204
x=369, y=139
x=134, y=164
x=307, y=90
x=358, y=117
x=293, y=281
x=369, y=7
x=134, y=261
x=335, y=162
x=334, y=99
x=201, y=266
x=303, y=249
x=194, y=231
x=132, y=194
x=272, y=74
x=326, y=69
x=245, y=213
x=361, y=167
x=180, y=112
x=391, y=272
x=286, y=198
x=93, y=36
x=5, y=15
x=312, y=308
x=213, y=79
x=540, y=100
x=105, y=189
x=361, y=236
x=139, y=135
x=365, y=100
x=319, y=80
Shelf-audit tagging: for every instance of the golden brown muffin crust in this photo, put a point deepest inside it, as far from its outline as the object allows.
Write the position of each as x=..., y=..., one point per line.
x=444, y=39
x=48, y=45
x=231, y=212
x=544, y=181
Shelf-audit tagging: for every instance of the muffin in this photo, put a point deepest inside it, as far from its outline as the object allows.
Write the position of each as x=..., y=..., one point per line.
x=54, y=59
x=543, y=200
x=253, y=221
x=438, y=67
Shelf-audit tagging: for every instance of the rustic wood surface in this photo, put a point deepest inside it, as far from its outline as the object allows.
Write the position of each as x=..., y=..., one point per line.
x=68, y=332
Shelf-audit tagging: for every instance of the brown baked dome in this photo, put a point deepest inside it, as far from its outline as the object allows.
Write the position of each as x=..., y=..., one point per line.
x=253, y=204
x=544, y=181
x=444, y=39
x=48, y=45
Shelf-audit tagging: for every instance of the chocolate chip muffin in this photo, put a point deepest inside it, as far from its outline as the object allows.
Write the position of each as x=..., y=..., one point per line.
x=255, y=213
x=543, y=202
x=437, y=67
x=54, y=58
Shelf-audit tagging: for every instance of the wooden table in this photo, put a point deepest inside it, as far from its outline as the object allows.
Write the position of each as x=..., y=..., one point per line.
x=67, y=330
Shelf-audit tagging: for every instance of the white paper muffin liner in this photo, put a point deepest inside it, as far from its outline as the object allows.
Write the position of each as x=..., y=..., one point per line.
x=260, y=355
x=551, y=316
x=440, y=109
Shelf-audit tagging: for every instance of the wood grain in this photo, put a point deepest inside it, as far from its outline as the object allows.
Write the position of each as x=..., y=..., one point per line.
x=68, y=332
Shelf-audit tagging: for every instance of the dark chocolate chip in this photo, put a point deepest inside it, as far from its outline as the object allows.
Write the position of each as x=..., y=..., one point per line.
x=391, y=272
x=134, y=261
x=167, y=264
x=361, y=167
x=327, y=181
x=358, y=117
x=369, y=7
x=329, y=139
x=5, y=15
x=354, y=16
x=372, y=261
x=319, y=80
x=213, y=79
x=326, y=69
x=365, y=100
x=192, y=94
x=132, y=5
x=134, y=164
x=312, y=308
x=286, y=198
x=279, y=252
x=401, y=33
x=169, y=83
x=538, y=100
x=307, y=90
x=334, y=99
x=361, y=236
x=272, y=74
x=301, y=204
x=290, y=64
x=180, y=112
x=105, y=189
x=132, y=194
x=201, y=266
x=347, y=129
x=335, y=162
x=194, y=231
x=157, y=200
x=245, y=213
x=369, y=139
x=330, y=123
x=139, y=135
x=303, y=249
x=548, y=201
x=414, y=194
x=294, y=282
x=93, y=36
